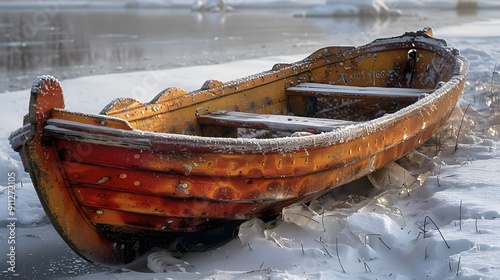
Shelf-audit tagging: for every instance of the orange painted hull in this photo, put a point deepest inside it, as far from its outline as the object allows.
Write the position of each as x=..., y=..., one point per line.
x=140, y=175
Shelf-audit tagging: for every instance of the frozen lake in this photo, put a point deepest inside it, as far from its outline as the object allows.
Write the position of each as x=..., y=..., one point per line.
x=69, y=43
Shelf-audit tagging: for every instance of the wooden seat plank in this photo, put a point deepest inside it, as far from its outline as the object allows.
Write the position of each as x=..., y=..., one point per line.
x=271, y=122
x=354, y=92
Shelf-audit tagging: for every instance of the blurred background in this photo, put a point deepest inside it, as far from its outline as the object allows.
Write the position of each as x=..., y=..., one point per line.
x=69, y=39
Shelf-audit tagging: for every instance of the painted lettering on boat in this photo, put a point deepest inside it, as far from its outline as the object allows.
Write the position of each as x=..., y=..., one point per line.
x=373, y=76
x=176, y=104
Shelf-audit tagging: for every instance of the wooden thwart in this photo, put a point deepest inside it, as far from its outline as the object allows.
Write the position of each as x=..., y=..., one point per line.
x=270, y=122
x=353, y=92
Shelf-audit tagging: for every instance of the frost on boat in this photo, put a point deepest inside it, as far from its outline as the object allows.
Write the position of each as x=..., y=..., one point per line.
x=188, y=167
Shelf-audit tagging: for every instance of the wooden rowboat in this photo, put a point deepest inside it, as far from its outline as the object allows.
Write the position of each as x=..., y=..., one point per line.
x=140, y=175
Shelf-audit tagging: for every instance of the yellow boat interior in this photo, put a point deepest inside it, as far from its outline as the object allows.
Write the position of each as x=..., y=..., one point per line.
x=335, y=86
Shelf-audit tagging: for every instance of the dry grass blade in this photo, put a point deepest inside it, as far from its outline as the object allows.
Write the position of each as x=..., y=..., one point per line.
x=460, y=127
x=324, y=247
x=425, y=223
x=338, y=256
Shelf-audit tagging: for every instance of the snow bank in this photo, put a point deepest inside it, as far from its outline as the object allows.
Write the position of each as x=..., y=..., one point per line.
x=211, y=6
x=384, y=8
x=349, y=8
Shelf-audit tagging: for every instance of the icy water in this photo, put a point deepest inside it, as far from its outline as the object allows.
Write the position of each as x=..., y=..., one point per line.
x=71, y=43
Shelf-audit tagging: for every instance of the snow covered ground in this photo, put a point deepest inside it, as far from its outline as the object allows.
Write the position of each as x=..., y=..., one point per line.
x=436, y=218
